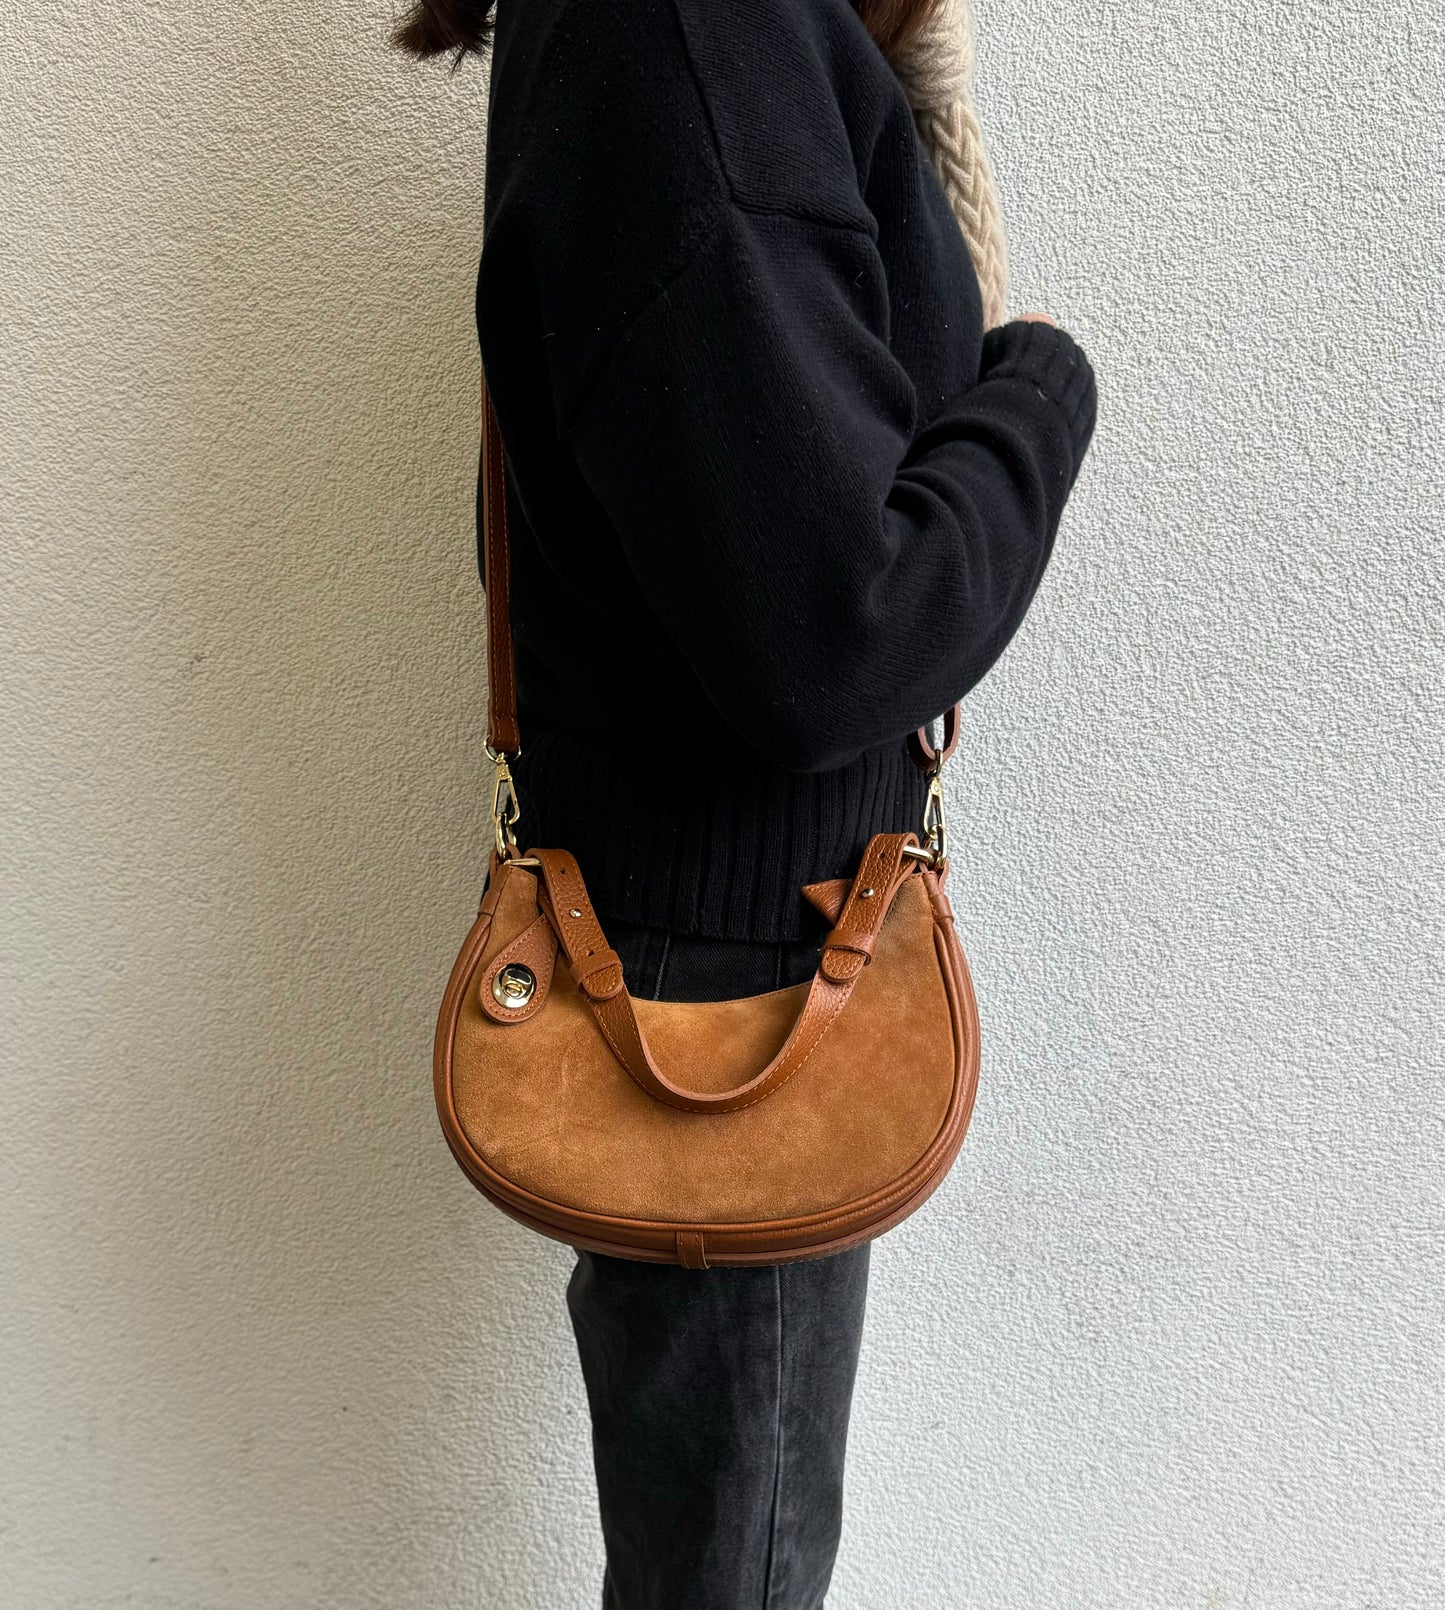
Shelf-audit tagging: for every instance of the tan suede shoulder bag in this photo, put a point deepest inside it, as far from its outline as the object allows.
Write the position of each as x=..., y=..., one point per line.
x=754, y=1131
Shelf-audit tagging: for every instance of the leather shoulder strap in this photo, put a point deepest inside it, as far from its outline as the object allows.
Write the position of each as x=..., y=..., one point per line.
x=503, y=732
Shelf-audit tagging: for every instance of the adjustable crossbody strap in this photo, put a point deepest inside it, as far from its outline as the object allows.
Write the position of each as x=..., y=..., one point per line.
x=503, y=733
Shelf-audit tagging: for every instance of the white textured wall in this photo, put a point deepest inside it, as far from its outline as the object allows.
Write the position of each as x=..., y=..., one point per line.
x=1173, y=1335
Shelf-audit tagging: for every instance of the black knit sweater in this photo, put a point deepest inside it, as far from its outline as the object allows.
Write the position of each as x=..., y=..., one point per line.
x=775, y=499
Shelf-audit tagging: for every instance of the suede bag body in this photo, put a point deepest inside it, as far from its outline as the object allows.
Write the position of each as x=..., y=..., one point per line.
x=556, y=1130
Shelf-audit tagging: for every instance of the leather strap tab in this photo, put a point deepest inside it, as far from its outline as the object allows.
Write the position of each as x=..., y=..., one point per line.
x=920, y=745
x=600, y=976
x=563, y=897
x=692, y=1249
x=534, y=948
x=849, y=947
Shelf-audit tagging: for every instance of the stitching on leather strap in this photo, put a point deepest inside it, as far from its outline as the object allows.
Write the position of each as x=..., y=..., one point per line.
x=821, y=1024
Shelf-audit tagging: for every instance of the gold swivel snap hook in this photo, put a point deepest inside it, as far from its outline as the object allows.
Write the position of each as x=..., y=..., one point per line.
x=514, y=985
x=934, y=849
x=505, y=809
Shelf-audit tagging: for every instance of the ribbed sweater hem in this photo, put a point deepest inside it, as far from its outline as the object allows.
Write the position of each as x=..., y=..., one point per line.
x=702, y=845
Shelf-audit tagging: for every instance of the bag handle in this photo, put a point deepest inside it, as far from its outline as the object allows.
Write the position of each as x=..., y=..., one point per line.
x=846, y=952
x=503, y=733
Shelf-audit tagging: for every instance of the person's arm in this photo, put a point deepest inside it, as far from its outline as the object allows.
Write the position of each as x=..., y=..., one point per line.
x=835, y=575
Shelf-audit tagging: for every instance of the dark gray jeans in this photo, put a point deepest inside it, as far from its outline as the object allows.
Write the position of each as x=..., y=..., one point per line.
x=719, y=1397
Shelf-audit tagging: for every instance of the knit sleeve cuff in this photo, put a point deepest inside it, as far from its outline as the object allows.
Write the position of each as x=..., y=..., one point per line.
x=1053, y=362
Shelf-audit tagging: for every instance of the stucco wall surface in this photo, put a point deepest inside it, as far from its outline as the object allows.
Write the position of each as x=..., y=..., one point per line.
x=1172, y=1336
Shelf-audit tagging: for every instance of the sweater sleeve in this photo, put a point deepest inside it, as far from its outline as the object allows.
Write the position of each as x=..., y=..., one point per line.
x=835, y=573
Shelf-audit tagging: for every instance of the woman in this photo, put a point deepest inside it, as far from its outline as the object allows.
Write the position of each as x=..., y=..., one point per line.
x=778, y=496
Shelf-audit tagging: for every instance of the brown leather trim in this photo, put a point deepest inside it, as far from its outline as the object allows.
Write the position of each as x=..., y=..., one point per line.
x=776, y=1241
x=922, y=750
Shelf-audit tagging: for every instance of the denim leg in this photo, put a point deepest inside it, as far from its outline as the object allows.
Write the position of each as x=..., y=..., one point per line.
x=720, y=1402
x=719, y=1398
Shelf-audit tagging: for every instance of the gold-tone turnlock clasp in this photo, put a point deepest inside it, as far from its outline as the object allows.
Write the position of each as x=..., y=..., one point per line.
x=514, y=985
x=505, y=809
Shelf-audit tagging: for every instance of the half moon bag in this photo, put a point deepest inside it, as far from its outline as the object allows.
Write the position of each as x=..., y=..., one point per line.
x=761, y=1130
